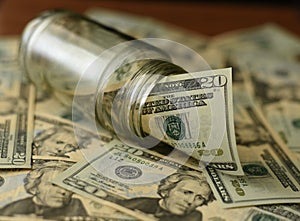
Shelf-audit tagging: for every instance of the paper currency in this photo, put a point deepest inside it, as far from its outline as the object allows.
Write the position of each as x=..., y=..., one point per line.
x=55, y=137
x=138, y=183
x=268, y=38
x=272, y=52
x=16, y=118
x=285, y=118
x=270, y=84
x=30, y=195
x=190, y=112
x=279, y=85
x=271, y=171
x=266, y=57
x=278, y=212
x=193, y=113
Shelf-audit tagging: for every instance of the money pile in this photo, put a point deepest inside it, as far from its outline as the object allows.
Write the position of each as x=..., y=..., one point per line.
x=62, y=174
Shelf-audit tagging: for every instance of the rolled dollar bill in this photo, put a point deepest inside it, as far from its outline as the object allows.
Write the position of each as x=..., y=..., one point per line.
x=193, y=113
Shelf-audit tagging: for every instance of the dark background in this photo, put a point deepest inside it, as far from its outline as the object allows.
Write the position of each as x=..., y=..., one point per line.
x=205, y=17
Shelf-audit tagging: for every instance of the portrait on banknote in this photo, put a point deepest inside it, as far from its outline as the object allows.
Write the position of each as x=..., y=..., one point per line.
x=56, y=141
x=55, y=137
x=141, y=184
x=45, y=199
x=180, y=194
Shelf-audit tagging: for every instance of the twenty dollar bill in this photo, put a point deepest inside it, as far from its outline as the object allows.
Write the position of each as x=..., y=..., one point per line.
x=134, y=181
x=193, y=113
x=272, y=174
x=16, y=119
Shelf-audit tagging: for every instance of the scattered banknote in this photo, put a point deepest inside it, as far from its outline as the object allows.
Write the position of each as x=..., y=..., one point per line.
x=134, y=181
x=55, y=137
x=285, y=118
x=268, y=38
x=278, y=212
x=30, y=195
x=265, y=63
x=17, y=100
x=280, y=85
x=272, y=172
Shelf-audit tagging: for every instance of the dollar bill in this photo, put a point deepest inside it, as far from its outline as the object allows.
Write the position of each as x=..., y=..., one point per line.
x=194, y=113
x=270, y=38
x=56, y=138
x=284, y=211
x=267, y=58
x=131, y=180
x=30, y=195
x=278, y=212
x=16, y=118
x=13, y=192
x=227, y=158
x=189, y=112
x=271, y=85
x=271, y=171
x=284, y=117
x=279, y=87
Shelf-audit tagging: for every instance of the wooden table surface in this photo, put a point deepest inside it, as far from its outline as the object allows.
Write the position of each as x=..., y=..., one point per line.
x=205, y=18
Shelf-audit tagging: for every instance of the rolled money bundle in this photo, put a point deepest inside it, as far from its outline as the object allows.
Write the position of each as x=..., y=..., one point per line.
x=193, y=113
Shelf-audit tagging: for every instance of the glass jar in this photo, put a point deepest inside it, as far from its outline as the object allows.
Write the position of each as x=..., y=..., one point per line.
x=105, y=74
